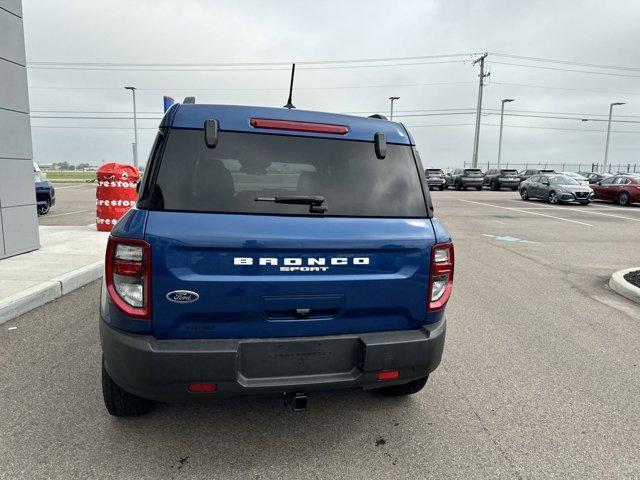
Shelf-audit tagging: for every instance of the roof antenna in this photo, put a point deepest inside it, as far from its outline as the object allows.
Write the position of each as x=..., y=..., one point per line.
x=293, y=72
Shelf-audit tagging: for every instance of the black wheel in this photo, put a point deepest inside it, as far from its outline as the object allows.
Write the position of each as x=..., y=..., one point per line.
x=121, y=403
x=407, y=389
x=442, y=187
x=478, y=188
x=623, y=199
x=430, y=188
x=524, y=194
x=44, y=209
x=514, y=189
x=553, y=198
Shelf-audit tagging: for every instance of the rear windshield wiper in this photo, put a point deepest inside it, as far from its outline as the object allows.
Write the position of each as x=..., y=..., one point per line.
x=316, y=202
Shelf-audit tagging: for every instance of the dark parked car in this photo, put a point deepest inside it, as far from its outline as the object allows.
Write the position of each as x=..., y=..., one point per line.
x=595, y=177
x=623, y=189
x=555, y=188
x=534, y=171
x=435, y=178
x=496, y=179
x=45, y=193
x=463, y=178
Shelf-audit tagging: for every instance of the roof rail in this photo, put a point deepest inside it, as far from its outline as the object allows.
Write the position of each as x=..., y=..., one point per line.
x=189, y=100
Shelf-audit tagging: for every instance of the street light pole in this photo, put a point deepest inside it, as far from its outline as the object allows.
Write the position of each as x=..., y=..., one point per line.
x=606, y=148
x=135, y=127
x=505, y=100
x=393, y=99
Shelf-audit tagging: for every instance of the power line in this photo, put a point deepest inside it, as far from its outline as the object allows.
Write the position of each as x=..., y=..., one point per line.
x=564, y=88
x=167, y=69
x=592, y=72
x=279, y=89
x=248, y=64
x=521, y=126
x=565, y=62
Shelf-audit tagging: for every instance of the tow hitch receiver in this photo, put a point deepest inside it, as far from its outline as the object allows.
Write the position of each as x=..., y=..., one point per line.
x=298, y=402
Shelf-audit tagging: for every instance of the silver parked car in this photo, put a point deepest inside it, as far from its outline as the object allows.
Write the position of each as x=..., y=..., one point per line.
x=555, y=188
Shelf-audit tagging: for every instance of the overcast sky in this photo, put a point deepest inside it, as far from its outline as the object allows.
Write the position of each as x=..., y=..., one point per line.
x=192, y=31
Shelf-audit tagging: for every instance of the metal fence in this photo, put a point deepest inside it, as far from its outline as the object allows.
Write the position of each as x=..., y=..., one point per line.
x=562, y=167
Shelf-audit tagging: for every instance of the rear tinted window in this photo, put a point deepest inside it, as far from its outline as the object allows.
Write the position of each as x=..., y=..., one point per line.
x=508, y=172
x=244, y=166
x=434, y=171
x=473, y=171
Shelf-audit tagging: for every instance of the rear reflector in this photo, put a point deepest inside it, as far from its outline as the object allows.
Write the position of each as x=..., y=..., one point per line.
x=202, y=387
x=299, y=126
x=388, y=375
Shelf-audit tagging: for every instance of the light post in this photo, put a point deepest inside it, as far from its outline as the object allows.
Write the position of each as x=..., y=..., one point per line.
x=135, y=127
x=505, y=100
x=606, y=148
x=393, y=99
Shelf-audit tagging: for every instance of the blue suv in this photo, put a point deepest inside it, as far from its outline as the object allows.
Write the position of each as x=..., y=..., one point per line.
x=274, y=252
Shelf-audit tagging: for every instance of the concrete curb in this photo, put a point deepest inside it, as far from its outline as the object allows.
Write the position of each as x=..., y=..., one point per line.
x=624, y=288
x=30, y=298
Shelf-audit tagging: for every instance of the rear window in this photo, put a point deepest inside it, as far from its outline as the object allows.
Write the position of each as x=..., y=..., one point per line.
x=434, y=171
x=246, y=166
x=508, y=172
x=473, y=171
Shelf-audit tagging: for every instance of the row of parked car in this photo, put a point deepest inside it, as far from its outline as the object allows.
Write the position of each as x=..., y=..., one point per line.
x=546, y=184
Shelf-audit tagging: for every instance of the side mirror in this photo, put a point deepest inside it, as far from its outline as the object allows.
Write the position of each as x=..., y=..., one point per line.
x=600, y=184
x=380, y=142
x=211, y=133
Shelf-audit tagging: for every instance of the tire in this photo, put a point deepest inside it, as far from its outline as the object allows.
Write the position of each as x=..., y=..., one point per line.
x=430, y=189
x=524, y=194
x=623, y=199
x=44, y=209
x=553, y=198
x=478, y=188
x=121, y=403
x=514, y=189
x=442, y=187
x=400, y=390
x=464, y=187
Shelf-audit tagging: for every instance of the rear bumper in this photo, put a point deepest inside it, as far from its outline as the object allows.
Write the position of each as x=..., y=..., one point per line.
x=162, y=369
x=472, y=183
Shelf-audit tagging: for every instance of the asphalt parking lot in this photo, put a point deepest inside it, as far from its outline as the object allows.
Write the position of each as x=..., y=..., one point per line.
x=75, y=205
x=540, y=376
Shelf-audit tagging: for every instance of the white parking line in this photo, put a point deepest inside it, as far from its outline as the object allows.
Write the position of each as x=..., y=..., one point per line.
x=526, y=211
x=68, y=213
x=582, y=210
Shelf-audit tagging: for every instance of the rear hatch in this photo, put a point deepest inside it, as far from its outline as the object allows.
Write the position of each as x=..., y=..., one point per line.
x=507, y=175
x=472, y=174
x=356, y=262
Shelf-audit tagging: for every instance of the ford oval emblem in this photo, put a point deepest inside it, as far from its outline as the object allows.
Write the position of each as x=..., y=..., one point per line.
x=182, y=296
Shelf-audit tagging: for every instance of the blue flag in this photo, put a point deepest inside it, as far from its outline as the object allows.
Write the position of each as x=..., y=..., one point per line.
x=168, y=101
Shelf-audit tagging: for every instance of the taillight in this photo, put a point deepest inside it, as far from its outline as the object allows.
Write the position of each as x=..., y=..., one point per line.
x=128, y=276
x=440, y=276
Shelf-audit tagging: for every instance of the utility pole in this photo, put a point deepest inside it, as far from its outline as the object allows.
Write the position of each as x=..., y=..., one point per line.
x=393, y=99
x=606, y=148
x=135, y=127
x=505, y=100
x=476, y=140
